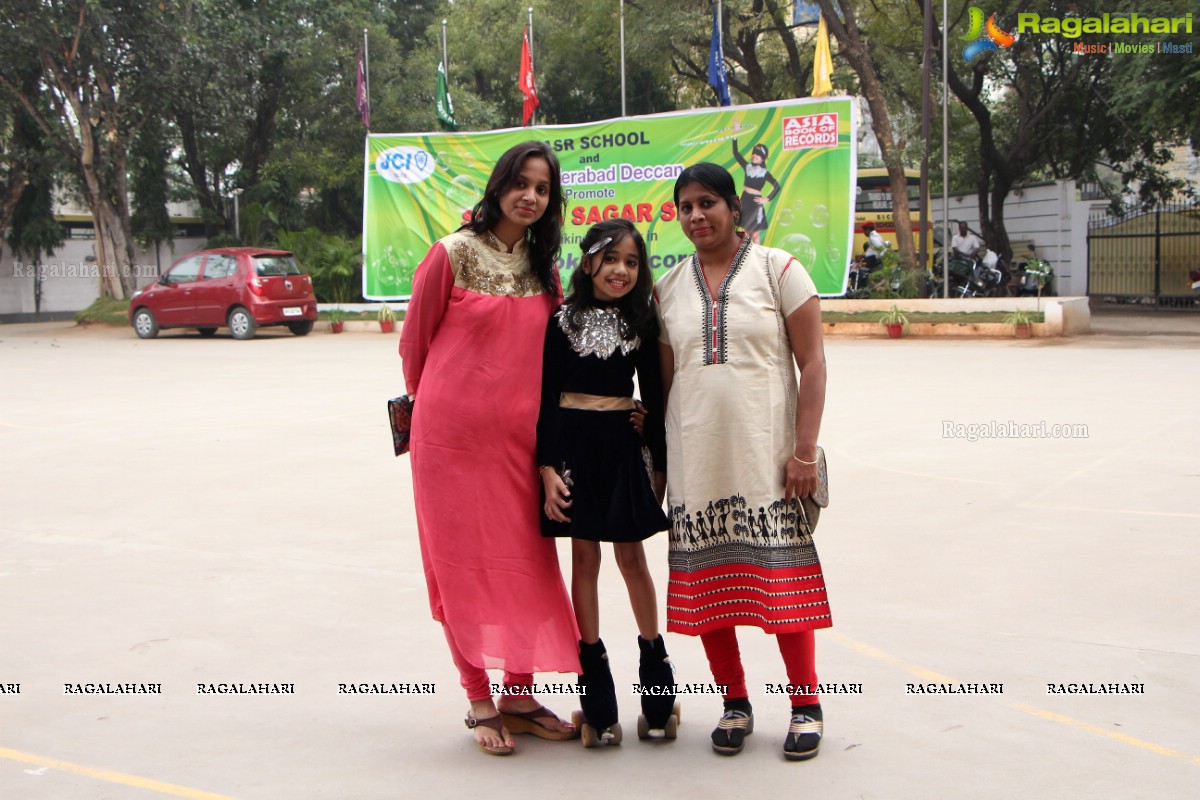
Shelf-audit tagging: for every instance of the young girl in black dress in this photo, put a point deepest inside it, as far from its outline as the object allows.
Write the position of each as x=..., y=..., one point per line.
x=601, y=484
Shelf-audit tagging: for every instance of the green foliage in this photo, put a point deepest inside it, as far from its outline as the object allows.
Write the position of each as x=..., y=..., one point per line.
x=222, y=240
x=892, y=279
x=893, y=316
x=1019, y=318
x=106, y=310
x=385, y=314
x=259, y=224
x=148, y=157
x=334, y=262
x=259, y=97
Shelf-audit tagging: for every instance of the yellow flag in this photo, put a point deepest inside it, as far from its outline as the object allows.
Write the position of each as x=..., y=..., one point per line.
x=822, y=63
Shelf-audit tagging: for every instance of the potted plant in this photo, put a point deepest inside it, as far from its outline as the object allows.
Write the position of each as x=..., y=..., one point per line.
x=895, y=320
x=387, y=318
x=1022, y=322
x=336, y=323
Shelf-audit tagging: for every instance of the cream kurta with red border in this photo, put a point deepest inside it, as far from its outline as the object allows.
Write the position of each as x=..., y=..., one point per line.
x=738, y=554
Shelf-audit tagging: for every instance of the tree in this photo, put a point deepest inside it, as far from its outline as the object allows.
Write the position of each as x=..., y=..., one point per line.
x=150, y=222
x=34, y=233
x=1041, y=109
x=14, y=157
x=102, y=62
x=852, y=45
x=768, y=62
x=236, y=59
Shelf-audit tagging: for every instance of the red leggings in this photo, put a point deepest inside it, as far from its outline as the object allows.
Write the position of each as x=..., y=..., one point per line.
x=799, y=659
x=475, y=679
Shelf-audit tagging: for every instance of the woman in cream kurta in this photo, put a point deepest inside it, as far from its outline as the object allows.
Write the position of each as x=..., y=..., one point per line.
x=738, y=556
x=736, y=321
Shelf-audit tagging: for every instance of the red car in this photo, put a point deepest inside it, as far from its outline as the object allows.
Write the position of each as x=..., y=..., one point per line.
x=242, y=287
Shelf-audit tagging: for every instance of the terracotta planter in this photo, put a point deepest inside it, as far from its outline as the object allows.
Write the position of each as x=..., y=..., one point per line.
x=1023, y=330
x=336, y=327
x=386, y=325
x=895, y=330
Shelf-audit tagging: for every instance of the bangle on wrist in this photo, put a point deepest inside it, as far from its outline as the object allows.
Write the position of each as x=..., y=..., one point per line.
x=544, y=468
x=802, y=461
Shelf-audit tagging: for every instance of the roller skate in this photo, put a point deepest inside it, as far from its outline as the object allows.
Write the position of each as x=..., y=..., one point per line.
x=660, y=713
x=597, y=722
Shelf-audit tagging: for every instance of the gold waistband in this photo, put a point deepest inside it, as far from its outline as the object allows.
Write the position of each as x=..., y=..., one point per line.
x=594, y=402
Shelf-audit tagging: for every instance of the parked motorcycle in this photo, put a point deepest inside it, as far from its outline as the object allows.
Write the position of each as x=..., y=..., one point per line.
x=1034, y=277
x=969, y=277
x=991, y=275
x=869, y=277
x=858, y=285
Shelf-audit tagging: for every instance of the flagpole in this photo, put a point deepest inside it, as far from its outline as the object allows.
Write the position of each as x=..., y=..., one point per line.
x=623, y=58
x=945, y=157
x=445, y=54
x=367, y=67
x=533, y=116
x=720, y=32
x=926, y=114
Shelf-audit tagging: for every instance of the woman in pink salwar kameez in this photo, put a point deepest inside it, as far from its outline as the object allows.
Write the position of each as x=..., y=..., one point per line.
x=471, y=346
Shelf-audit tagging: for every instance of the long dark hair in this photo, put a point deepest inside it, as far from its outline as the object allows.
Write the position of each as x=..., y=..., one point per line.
x=713, y=177
x=543, y=239
x=635, y=306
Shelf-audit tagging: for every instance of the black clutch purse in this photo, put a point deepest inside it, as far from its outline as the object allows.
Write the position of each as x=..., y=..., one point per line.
x=810, y=507
x=400, y=415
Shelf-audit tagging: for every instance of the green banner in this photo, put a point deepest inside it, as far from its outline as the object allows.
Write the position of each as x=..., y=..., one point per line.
x=418, y=187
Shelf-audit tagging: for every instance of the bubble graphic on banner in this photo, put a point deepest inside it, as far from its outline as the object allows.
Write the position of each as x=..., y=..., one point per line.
x=462, y=192
x=802, y=248
x=819, y=216
x=786, y=218
x=834, y=254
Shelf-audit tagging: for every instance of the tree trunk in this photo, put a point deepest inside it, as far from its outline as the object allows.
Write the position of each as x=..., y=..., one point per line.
x=114, y=249
x=852, y=46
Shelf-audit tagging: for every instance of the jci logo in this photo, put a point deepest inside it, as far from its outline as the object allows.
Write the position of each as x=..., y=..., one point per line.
x=985, y=38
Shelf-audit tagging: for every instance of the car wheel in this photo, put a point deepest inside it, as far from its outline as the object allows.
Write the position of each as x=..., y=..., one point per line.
x=144, y=324
x=301, y=328
x=207, y=332
x=242, y=324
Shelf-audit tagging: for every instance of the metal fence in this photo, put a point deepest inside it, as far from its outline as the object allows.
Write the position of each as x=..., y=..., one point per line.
x=1145, y=257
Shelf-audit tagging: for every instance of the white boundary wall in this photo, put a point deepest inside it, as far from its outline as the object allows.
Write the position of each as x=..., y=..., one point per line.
x=1050, y=215
x=72, y=282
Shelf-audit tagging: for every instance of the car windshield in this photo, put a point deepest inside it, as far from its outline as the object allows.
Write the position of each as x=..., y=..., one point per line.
x=266, y=266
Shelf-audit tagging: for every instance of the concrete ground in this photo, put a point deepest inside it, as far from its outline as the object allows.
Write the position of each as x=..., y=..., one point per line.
x=186, y=511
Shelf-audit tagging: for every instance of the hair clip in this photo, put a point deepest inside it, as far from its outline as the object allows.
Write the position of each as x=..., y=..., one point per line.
x=597, y=247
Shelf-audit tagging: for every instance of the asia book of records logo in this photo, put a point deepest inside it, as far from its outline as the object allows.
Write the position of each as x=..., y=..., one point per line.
x=810, y=130
x=986, y=37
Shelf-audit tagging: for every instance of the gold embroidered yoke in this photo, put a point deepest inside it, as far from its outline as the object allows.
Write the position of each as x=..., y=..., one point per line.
x=481, y=264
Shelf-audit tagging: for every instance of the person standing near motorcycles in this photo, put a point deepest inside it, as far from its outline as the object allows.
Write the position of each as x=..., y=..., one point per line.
x=965, y=242
x=875, y=247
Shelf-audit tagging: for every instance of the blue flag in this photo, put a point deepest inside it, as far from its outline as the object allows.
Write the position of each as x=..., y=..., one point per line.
x=716, y=63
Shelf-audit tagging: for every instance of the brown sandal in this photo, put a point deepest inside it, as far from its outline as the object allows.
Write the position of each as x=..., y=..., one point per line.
x=527, y=722
x=496, y=724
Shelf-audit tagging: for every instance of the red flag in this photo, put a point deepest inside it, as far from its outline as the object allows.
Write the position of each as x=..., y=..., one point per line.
x=360, y=96
x=526, y=80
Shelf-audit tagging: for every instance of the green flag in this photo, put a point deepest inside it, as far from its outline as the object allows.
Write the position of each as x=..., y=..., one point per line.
x=445, y=107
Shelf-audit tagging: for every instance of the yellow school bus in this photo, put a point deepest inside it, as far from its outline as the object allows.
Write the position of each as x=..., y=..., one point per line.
x=873, y=203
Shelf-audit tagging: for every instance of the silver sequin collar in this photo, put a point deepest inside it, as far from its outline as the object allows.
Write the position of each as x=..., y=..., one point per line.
x=600, y=333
